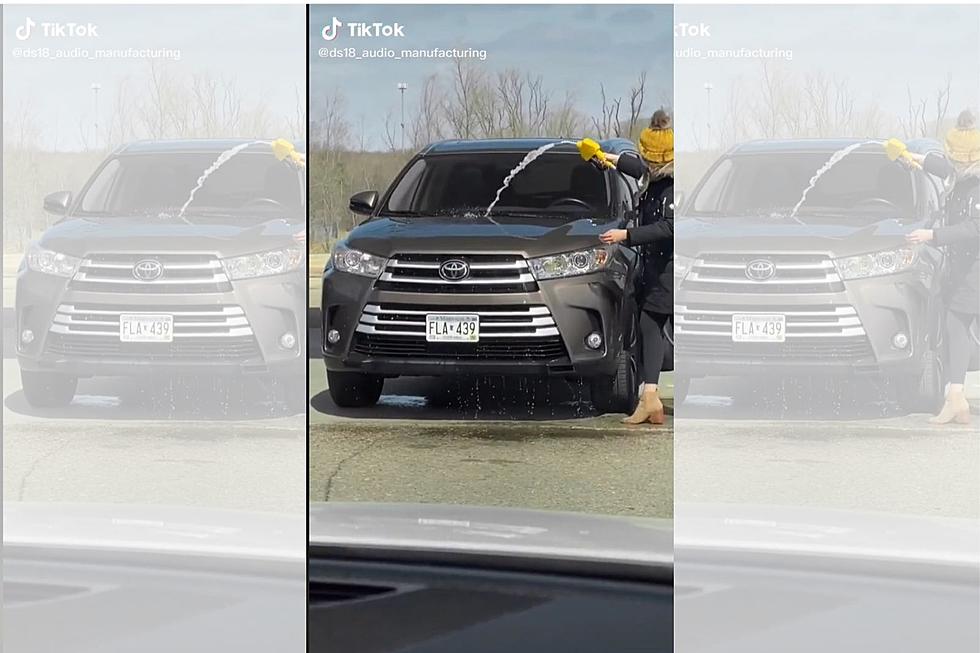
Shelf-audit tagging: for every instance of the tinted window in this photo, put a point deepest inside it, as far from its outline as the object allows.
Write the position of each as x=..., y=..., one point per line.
x=162, y=183
x=555, y=183
x=861, y=183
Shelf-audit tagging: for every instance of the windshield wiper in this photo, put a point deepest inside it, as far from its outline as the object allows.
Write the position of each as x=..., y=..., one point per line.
x=403, y=214
x=511, y=213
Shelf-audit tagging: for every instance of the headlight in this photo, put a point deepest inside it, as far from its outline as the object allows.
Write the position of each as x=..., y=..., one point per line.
x=48, y=262
x=682, y=265
x=570, y=264
x=264, y=264
x=876, y=264
x=357, y=262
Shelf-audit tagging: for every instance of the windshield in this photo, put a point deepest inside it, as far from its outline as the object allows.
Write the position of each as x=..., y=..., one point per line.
x=155, y=184
x=559, y=184
x=859, y=185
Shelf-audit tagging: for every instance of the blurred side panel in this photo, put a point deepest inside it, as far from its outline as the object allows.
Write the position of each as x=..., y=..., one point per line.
x=823, y=155
x=154, y=313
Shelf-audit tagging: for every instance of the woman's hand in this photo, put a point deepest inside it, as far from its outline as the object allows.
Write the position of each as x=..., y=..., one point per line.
x=919, y=236
x=613, y=236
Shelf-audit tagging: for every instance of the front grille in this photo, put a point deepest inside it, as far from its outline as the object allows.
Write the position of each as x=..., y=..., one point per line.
x=801, y=322
x=97, y=320
x=488, y=274
x=792, y=273
x=816, y=332
x=856, y=349
x=200, y=333
x=238, y=349
x=549, y=348
x=180, y=274
x=506, y=333
x=495, y=321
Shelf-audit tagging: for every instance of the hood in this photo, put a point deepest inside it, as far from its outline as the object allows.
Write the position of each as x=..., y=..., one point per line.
x=828, y=533
x=771, y=235
x=531, y=236
x=229, y=236
x=492, y=530
x=154, y=530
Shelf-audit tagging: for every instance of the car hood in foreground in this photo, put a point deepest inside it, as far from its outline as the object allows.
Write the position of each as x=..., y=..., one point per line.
x=229, y=236
x=498, y=531
x=530, y=236
x=154, y=530
x=772, y=530
x=693, y=236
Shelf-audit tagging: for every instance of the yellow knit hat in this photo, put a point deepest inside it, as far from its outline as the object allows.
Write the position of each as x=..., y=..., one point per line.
x=963, y=145
x=657, y=145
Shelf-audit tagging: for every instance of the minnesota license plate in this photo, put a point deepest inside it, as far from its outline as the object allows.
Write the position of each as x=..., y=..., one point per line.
x=452, y=327
x=758, y=327
x=146, y=327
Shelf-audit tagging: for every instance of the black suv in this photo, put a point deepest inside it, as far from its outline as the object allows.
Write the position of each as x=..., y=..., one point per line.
x=431, y=285
x=128, y=283
x=831, y=288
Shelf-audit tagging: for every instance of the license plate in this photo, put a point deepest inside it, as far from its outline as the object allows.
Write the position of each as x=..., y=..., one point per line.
x=146, y=327
x=758, y=327
x=452, y=327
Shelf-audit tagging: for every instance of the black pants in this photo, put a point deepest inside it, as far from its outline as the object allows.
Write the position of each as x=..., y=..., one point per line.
x=960, y=344
x=653, y=344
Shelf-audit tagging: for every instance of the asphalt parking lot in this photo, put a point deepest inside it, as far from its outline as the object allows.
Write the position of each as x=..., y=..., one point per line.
x=484, y=442
x=148, y=441
x=846, y=446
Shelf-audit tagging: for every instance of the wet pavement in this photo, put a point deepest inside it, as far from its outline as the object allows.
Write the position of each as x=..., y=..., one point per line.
x=846, y=446
x=146, y=441
x=487, y=442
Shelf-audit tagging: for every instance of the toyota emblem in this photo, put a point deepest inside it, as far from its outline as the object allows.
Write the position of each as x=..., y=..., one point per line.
x=454, y=270
x=760, y=270
x=148, y=270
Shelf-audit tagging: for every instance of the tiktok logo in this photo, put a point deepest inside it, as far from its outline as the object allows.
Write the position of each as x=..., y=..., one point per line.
x=24, y=31
x=332, y=31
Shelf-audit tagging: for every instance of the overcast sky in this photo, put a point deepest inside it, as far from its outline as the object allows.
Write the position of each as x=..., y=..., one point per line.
x=880, y=50
x=261, y=47
x=574, y=48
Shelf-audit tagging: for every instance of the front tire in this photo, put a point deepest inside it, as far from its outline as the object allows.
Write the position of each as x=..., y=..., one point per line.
x=923, y=393
x=354, y=389
x=617, y=393
x=48, y=389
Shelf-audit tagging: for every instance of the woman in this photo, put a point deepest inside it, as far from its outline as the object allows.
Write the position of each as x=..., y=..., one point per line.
x=655, y=234
x=961, y=236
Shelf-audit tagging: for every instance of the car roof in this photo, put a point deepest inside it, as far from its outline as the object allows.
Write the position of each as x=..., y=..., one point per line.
x=190, y=145
x=828, y=145
x=612, y=145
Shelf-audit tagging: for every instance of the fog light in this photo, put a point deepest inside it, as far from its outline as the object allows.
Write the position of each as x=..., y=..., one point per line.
x=27, y=336
x=593, y=340
x=287, y=340
x=900, y=340
x=333, y=336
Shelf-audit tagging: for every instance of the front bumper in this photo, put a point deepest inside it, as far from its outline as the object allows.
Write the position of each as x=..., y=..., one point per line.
x=578, y=306
x=843, y=333
x=261, y=310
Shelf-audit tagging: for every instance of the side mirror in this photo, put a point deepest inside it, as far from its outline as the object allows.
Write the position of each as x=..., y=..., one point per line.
x=58, y=203
x=364, y=202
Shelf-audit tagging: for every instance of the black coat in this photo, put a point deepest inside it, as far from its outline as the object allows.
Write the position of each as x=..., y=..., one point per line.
x=961, y=237
x=655, y=236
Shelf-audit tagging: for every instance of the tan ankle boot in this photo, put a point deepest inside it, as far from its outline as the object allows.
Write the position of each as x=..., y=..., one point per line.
x=650, y=409
x=956, y=409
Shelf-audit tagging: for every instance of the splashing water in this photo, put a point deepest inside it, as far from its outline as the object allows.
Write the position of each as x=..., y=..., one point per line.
x=222, y=159
x=525, y=162
x=835, y=158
